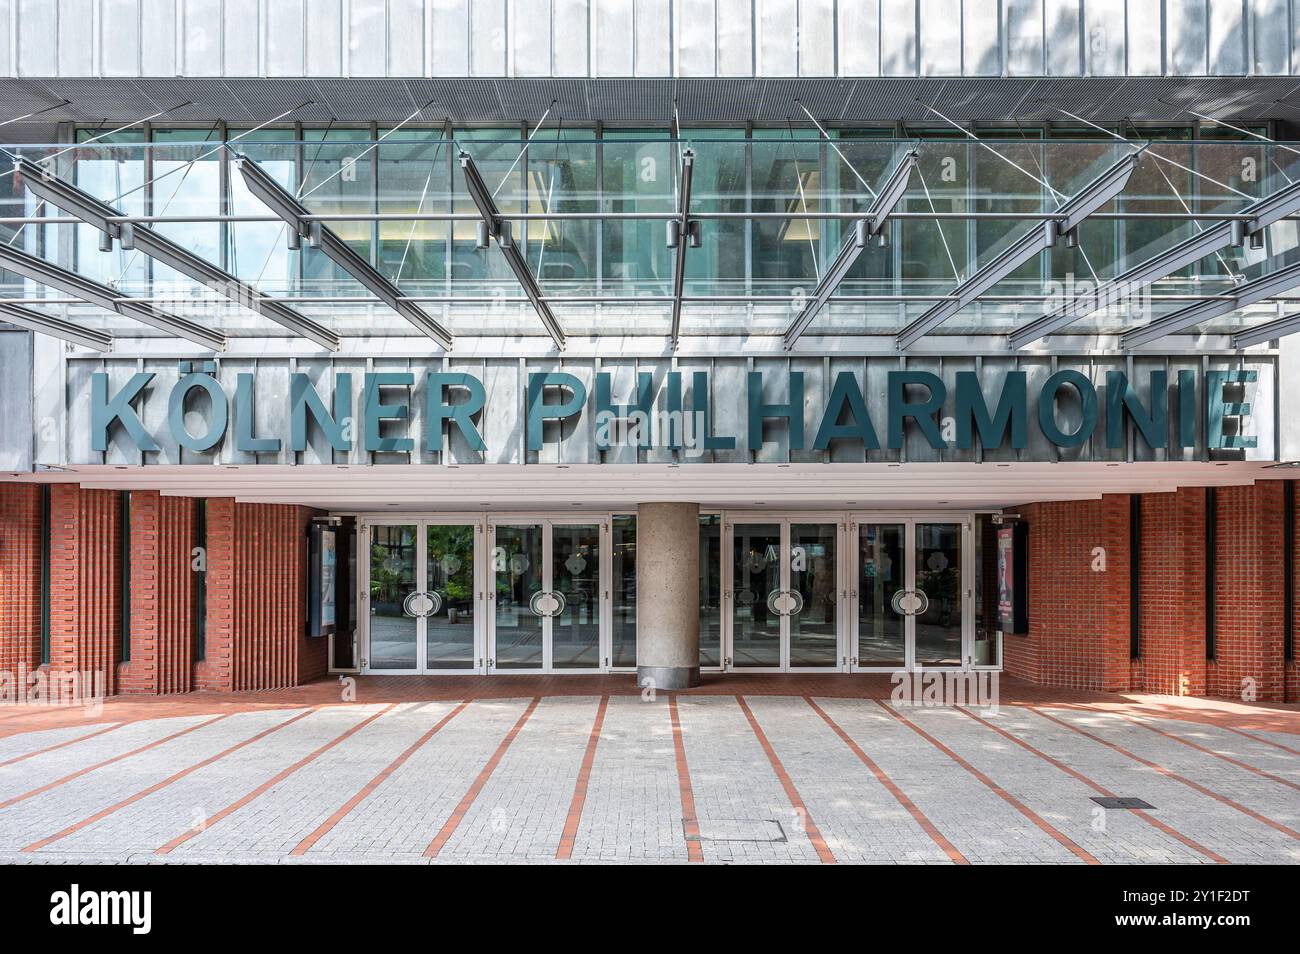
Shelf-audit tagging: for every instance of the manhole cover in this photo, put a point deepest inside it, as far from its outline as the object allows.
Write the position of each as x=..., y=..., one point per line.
x=1132, y=803
x=764, y=830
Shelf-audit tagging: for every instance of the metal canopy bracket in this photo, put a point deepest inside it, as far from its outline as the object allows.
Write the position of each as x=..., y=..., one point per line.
x=1038, y=239
x=283, y=204
x=1266, y=286
x=499, y=229
x=41, y=271
x=682, y=232
x=872, y=224
x=56, y=327
x=1262, y=214
x=100, y=216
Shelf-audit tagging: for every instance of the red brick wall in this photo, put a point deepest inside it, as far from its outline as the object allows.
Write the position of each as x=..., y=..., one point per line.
x=162, y=595
x=85, y=586
x=1173, y=594
x=1081, y=639
x=20, y=576
x=1078, y=618
x=1248, y=592
x=257, y=598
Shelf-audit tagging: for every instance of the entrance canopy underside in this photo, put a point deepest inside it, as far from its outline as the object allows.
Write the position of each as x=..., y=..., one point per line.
x=612, y=487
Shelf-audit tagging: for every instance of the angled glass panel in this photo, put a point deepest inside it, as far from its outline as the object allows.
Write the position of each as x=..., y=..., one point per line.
x=637, y=173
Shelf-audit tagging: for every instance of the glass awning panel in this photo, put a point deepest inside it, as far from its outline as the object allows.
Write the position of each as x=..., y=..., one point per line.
x=591, y=218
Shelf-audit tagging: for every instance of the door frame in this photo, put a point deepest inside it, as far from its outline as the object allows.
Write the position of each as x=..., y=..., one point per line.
x=421, y=522
x=783, y=519
x=548, y=521
x=909, y=520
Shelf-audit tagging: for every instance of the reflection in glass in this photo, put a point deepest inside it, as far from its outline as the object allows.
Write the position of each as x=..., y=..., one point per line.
x=624, y=600
x=814, y=623
x=938, y=576
x=756, y=572
x=710, y=590
x=393, y=633
x=449, y=632
x=517, y=573
x=881, y=573
x=575, y=575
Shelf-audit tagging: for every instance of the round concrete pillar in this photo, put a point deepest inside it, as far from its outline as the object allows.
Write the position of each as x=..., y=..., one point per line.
x=668, y=595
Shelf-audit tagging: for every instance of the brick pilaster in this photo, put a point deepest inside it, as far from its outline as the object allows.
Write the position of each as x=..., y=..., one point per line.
x=85, y=585
x=20, y=576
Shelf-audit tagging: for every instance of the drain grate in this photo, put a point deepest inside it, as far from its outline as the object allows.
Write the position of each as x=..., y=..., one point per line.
x=1129, y=803
x=753, y=830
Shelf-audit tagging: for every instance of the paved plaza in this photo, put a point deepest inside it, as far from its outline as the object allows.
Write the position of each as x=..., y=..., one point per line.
x=615, y=777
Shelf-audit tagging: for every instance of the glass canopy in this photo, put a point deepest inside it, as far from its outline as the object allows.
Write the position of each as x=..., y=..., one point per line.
x=769, y=217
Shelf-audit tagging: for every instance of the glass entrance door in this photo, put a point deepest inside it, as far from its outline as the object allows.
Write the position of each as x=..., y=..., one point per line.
x=785, y=597
x=547, y=597
x=910, y=596
x=421, y=597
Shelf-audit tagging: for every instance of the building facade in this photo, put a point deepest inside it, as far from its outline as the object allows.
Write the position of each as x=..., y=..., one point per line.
x=663, y=337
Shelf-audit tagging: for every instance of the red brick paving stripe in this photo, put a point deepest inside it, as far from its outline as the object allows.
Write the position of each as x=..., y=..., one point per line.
x=565, y=849
x=1169, y=773
x=690, y=822
x=993, y=786
x=157, y=786
x=926, y=825
x=1200, y=748
x=347, y=807
x=1099, y=789
x=810, y=826
x=116, y=758
x=51, y=748
x=271, y=782
x=1260, y=738
x=458, y=814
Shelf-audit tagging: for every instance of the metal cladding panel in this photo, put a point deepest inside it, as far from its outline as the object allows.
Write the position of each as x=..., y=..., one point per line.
x=941, y=43
x=1185, y=37
x=845, y=451
x=697, y=44
x=16, y=399
x=816, y=389
x=860, y=20
x=1037, y=368
x=413, y=398
x=915, y=446
x=153, y=410
x=659, y=379
x=458, y=449
x=530, y=50
x=1227, y=36
x=1024, y=37
x=503, y=434
x=320, y=372
x=1061, y=32
x=729, y=413
x=992, y=374
x=356, y=454
x=623, y=391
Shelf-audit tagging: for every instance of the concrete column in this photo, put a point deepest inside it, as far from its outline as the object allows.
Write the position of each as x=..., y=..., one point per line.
x=668, y=594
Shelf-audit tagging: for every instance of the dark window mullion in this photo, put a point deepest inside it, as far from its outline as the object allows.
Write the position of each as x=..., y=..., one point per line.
x=45, y=574
x=124, y=527
x=1211, y=534
x=201, y=581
